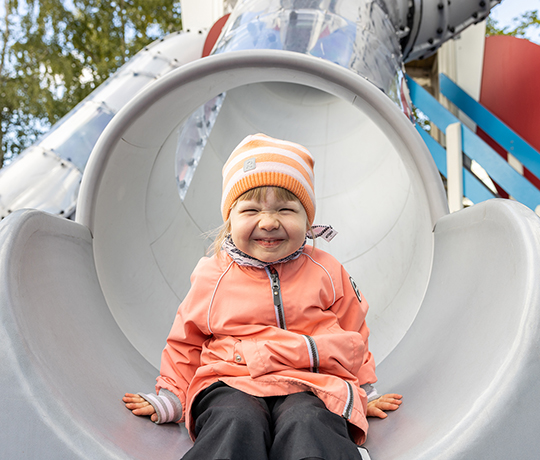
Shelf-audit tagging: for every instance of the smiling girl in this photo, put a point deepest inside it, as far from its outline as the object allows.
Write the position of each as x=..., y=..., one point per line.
x=268, y=356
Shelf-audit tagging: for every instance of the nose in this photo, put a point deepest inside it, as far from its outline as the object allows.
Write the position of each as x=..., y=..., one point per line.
x=268, y=221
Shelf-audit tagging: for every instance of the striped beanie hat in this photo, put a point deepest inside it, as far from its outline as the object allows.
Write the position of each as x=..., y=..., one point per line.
x=259, y=161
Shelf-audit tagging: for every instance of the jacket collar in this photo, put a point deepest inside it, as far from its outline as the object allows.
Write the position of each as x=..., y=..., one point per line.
x=245, y=260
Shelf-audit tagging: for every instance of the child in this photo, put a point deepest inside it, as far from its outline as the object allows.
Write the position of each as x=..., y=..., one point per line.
x=268, y=355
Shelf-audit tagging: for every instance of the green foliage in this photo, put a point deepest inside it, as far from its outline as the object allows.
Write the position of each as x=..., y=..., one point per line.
x=421, y=119
x=53, y=53
x=528, y=20
x=523, y=25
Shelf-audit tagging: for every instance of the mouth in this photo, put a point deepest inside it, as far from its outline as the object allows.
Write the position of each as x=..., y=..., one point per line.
x=269, y=243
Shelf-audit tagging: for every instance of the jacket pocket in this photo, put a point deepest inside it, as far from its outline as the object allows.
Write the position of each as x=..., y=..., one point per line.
x=226, y=349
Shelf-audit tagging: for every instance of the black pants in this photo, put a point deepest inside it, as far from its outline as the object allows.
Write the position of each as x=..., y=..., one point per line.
x=232, y=425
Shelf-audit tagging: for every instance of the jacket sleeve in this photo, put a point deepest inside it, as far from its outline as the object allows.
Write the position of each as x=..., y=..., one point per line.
x=181, y=357
x=336, y=351
x=351, y=310
x=166, y=404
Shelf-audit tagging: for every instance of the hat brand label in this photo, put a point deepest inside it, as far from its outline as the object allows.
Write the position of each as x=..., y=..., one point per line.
x=249, y=164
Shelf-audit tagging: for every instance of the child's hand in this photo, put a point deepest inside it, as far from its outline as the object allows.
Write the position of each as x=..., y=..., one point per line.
x=140, y=406
x=377, y=407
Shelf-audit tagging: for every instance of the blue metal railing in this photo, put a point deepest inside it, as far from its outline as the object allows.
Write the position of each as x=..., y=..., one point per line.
x=473, y=188
x=491, y=125
x=476, y=149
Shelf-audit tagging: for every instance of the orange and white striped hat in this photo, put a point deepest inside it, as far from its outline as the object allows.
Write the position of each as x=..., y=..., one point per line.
x=259, y=161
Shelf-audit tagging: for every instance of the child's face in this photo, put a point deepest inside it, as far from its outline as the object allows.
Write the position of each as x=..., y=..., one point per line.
x=268, y=230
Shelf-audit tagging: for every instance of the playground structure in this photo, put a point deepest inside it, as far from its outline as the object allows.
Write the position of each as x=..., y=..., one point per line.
x=86, y=305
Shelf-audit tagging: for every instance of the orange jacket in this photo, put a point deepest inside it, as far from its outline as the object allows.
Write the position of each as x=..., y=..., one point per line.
x=228, y=329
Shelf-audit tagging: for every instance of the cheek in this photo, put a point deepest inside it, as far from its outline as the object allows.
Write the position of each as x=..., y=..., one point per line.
x=300, y=229
x=240, y=231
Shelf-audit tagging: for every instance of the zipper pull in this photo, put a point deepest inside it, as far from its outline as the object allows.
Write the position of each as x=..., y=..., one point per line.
x=275, y=285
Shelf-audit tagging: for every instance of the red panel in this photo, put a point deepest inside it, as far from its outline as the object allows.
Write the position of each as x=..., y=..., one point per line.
x=213, y=35
x=511, y=88
x=511, y=84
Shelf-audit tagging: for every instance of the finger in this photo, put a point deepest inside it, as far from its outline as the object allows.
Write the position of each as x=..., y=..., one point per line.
x=132, y=398
x=376, y=412
x=134, y=406
x=387, y=405
x=387, y=398
x=145, y=411
x=391, y=401
x=384, y=402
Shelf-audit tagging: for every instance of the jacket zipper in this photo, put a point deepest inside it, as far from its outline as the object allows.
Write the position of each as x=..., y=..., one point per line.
x=280, y=317
x=313, y=353
x=276, y=293
x=350, y=402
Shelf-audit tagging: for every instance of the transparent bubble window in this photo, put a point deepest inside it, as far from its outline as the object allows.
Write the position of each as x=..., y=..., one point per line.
x=192, y=138
x=74, y=137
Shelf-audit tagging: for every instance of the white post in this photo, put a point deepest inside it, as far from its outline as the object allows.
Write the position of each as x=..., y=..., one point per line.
x=200, y=14
x=454, y=167
x=515, y=163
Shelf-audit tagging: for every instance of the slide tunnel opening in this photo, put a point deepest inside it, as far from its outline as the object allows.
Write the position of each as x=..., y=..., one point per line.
x=370, y=184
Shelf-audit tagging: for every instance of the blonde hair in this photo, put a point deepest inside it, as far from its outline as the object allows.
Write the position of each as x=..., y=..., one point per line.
x=258, y=194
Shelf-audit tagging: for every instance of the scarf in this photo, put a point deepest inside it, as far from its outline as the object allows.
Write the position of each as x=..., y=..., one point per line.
x=241, y=258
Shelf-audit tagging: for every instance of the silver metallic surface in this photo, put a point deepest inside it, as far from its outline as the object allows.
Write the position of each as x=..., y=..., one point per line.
x=436, y=21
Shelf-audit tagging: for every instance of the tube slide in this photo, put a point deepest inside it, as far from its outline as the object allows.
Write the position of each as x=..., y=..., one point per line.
x=47, y=175
x=86, y=306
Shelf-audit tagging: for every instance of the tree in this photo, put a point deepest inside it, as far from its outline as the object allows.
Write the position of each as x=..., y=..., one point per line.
x=525, y=22
x=55, y=52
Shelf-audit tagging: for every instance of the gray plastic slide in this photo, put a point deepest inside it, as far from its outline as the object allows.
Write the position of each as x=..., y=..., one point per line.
x=469, y=366
x=86, y=306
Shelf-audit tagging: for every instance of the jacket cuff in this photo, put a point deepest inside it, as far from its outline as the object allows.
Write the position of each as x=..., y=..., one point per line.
x=371, y=391
x=166, y=404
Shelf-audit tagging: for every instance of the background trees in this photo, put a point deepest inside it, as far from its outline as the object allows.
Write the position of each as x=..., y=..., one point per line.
x=53, y=53
x=523, y=23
